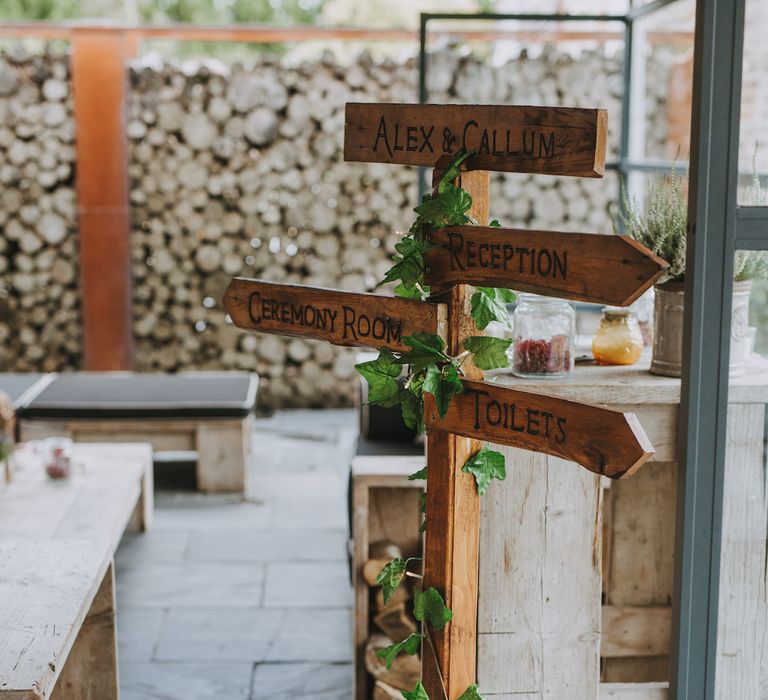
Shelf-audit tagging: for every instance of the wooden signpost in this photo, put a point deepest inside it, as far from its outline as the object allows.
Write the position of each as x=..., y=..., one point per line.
x=342, y=318
x=603, y=269
x=609, y=269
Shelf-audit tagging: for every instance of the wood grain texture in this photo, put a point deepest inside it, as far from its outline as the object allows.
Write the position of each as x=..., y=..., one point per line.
x=603, y=269
x=342, y=318
x=91, y=669
x=453, y=506
x=634, y=631
x=634, y=691
x=742, y=643
x=606, y=442
x=47, y=589
x=550, y=140
x=97, y=502
x=539, y=619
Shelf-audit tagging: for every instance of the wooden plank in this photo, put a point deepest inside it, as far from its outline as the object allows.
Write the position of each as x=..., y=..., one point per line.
x=342, y=318
x=606, y=442
x=551, y=140
x=222, y=452
x=91, y=669
x=453, y=506
x=603, y=269
x=47, y=589
x=95, y=503
x=634, y=631
x=539, y=620
x=634, y=691
x=99, y=86
x=742, y=647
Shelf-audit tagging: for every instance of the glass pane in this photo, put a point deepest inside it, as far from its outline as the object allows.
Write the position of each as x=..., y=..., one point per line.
x=753, y=146
x=742, y=670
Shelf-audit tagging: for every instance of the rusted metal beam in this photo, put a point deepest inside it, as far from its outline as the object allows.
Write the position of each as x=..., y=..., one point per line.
x=99, y=84
x=271, y=34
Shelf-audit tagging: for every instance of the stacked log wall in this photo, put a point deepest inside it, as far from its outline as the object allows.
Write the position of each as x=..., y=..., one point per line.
x=237, y=170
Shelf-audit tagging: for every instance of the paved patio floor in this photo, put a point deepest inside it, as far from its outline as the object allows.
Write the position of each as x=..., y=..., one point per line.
x=246, y=598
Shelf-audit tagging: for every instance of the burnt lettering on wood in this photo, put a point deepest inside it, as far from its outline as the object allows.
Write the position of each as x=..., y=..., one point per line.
x=555, y=140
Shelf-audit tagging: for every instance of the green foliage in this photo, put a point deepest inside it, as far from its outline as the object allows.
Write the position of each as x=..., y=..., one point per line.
x=484, y=466
x=418, y=693
x=409, y=265
x=410, y=645
x=391, y=576
x=429, y=607
x=662, y=225
x=443, y=383
x=488, y=352
x=381, y=375
x=426, y=349
x=421, y=474
x=40, y=9
x=750, y=265
x=488, y=304
x=471, y=693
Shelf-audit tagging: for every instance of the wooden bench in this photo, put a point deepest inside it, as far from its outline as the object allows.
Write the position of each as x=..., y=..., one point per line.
x=203, y=416
x=57, y=620
x=57, y=540
x=110, y=490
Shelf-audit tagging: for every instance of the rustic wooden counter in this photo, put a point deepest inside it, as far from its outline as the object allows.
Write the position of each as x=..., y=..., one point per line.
x=568, y=559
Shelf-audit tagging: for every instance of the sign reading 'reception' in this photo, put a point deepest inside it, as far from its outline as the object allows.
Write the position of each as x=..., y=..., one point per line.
x=342, y=318
x=606, y=442
x=552, y=140
x=603, y=269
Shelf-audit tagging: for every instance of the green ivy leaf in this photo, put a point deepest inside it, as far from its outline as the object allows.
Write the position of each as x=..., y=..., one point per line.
x=421, y=474
x=471, y=693
x=487, y=305
x=428, y=606
x=484, y=466
x=402, y=291
x=423, y=501
x=390, y=576
x=418, y=693
x=409, y=646
x=495, y=224
x=443, y=384
x=409, y=265
x=447, y=208
x=488, y=352
x=412, y=409
x=381, y=375
x=426, y=349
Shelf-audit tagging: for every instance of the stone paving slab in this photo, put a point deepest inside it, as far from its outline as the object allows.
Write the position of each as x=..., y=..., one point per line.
x=185, y=681
x=307, y=585
x=196, y=584
x=313, y=635
x=137, y=631
x=217, y=634
x=300, y=681
x=270, y=545
x=240, y=598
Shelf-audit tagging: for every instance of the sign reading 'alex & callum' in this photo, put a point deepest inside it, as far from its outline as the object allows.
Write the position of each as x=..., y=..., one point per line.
x=603, y=269
x=342, y=318
x=554, y=140
x=607, y=442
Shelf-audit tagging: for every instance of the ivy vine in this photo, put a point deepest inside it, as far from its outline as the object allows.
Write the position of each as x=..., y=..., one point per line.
x=402, y=378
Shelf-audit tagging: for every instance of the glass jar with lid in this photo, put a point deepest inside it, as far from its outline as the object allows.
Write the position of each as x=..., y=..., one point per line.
x=618, y=340
x=544, y=332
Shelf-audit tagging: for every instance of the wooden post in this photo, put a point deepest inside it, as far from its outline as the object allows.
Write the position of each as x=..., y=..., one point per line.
x=99, y=86
x=453, y=506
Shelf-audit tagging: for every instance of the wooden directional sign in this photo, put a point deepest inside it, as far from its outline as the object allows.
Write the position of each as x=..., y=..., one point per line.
x=606, y=442
x=603, y=269
x=552, y=140
x=342, y=318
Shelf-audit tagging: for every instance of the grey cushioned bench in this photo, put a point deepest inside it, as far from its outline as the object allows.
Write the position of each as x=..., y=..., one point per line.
x=202, y=415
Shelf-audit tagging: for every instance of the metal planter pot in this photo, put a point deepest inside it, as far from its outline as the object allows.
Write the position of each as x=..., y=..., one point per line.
x=668, y=329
